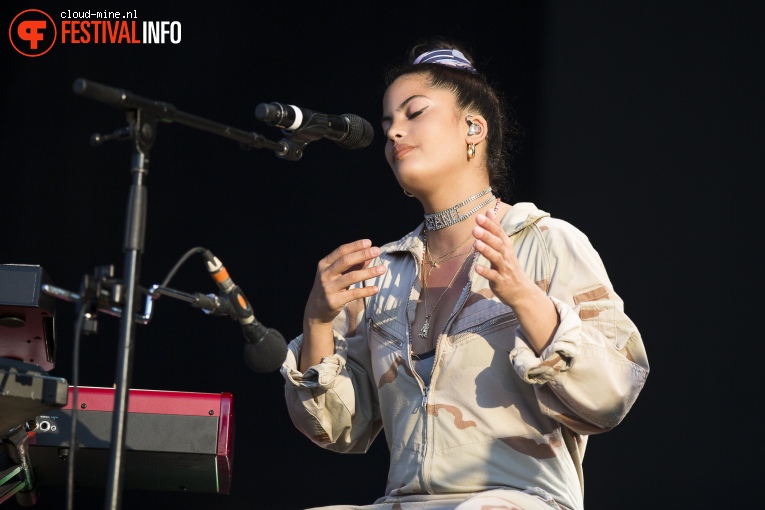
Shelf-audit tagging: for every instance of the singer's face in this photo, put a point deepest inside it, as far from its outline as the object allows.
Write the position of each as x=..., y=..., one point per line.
x=425, y=133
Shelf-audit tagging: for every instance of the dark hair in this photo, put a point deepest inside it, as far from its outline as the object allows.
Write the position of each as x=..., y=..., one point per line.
x=474, y=92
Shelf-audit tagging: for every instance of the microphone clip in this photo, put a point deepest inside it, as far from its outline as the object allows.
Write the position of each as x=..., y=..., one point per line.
x=293, y=146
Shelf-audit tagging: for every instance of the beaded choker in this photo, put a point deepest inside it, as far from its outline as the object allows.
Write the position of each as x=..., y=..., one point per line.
x=450, y=216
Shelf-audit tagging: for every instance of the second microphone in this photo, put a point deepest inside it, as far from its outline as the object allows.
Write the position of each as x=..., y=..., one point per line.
x=347, y=130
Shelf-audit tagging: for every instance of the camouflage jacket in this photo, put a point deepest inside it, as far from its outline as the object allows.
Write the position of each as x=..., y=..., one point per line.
x=495, y=414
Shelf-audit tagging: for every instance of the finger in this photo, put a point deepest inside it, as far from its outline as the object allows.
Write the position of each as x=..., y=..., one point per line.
x=490, y=274
x=362, y=292
x=354, y=260
x=490, y=223
x=345, y=259
x=354, y=277
x=489, y=238
x=345, y=249
x=492, y=255
x=340, y=299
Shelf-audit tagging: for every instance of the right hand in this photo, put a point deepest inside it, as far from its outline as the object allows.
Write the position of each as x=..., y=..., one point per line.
x=336, y=272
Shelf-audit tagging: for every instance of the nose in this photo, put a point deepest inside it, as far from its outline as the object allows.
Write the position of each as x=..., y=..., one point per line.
x=395, y=131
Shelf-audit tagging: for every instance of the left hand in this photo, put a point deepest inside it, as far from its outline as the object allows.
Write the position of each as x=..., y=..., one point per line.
x=507, y=279
x=509, y=282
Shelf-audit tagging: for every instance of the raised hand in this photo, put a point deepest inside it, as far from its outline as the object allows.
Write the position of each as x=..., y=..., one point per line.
x=507, y=279
x=335, y=275
x=509, y=282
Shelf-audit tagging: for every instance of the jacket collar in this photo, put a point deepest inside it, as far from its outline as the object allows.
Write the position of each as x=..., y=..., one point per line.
x=519, y=217
x=412, y=242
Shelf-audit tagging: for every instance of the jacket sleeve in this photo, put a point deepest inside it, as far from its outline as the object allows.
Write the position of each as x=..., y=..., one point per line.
x=335, y=402
x=593, y=370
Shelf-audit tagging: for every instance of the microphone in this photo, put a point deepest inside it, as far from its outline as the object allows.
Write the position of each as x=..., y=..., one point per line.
x=347, y=130
x=265, y=349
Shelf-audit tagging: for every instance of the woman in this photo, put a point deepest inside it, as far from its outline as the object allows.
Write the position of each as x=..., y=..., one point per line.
x=488, y=343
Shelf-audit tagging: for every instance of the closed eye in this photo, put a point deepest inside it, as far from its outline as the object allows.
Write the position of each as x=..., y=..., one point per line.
x=418, y=112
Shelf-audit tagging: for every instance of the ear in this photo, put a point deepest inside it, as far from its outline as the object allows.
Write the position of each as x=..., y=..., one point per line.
x=477, y=129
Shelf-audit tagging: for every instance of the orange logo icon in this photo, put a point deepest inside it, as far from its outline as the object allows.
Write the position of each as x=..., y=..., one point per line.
x=32, y=33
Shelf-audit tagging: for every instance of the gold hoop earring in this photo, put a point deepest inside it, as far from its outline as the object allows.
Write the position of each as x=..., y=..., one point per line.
x=471, y=151
x=408, y=194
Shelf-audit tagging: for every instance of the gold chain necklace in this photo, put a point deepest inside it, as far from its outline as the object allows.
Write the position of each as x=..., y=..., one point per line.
x=434, y=263
x=426, y=324
x=449, y=258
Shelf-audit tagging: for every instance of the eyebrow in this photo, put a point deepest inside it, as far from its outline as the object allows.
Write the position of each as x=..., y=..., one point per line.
x=402, y=105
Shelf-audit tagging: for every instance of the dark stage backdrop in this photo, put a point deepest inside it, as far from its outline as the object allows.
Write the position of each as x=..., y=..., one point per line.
x=643, y=124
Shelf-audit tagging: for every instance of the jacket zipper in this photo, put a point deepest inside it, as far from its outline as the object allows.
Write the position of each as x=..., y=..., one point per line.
x=384, y=333
x=424, y=389
x=496, y=321
x=447, y=324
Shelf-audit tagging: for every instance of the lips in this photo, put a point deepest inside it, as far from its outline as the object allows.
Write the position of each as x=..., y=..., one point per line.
x=399, y=151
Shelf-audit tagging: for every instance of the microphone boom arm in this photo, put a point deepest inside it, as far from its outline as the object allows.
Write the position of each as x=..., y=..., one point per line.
x=168, y=113
x=208, y=303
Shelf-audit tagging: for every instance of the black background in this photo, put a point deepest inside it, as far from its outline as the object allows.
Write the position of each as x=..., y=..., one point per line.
x=643, y=127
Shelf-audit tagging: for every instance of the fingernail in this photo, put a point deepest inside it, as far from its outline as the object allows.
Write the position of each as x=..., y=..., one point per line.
x=366, y=242
x=375, y=251
x=380, y=269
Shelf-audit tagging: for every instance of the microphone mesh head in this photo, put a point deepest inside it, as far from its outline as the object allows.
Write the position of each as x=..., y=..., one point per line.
x=360, y=132
x=268, y=354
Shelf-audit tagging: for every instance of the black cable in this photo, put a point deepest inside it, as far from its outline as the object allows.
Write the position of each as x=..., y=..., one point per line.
x=83, y=310
x=180, y=262
x=75, y=377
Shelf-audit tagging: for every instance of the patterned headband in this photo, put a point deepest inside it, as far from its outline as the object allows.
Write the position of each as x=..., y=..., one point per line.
x=451, y=58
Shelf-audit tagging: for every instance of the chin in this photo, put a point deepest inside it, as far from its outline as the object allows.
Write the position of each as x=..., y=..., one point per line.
x=408, y=178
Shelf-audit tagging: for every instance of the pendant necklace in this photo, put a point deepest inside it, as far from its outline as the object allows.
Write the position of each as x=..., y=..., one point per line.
x=424, y=330
x=426, y=325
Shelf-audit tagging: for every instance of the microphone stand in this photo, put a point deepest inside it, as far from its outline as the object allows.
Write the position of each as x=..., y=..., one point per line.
x=143, y=116
x=143, y=126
